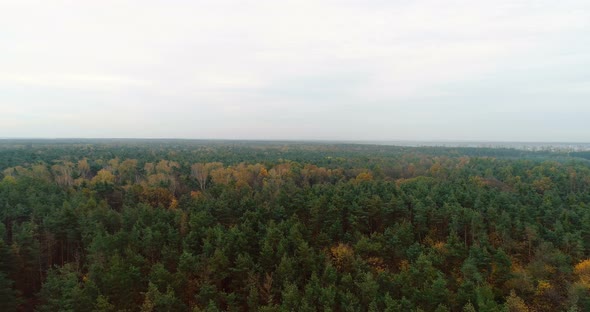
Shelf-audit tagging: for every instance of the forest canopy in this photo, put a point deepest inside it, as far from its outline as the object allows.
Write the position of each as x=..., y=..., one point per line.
x=181, y=225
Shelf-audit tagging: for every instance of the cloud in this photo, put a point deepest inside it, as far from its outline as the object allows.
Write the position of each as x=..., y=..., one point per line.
x=263, y=68
x=64, y=80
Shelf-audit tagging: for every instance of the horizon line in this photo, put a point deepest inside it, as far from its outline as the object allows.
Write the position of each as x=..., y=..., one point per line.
x=301, y=140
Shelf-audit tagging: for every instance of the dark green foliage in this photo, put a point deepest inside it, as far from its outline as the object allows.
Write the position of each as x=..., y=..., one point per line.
x=8, y=296
x=127, y=226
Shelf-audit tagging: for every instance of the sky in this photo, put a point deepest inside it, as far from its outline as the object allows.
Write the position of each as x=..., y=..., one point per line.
x=296, y=70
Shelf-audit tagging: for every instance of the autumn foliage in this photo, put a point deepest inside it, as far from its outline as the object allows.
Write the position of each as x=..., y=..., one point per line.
x=260, y=226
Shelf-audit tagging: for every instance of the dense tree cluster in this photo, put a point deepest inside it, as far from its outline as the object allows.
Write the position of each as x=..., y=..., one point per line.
x=234, y=226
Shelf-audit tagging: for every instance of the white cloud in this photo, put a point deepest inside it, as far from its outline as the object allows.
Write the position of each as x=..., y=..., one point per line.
x=64, y=80
x=214, y=62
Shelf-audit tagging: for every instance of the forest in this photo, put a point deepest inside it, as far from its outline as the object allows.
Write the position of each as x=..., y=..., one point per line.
x=185, y=225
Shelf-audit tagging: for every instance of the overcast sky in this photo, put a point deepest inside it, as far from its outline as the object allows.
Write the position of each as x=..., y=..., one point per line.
x=303, y=69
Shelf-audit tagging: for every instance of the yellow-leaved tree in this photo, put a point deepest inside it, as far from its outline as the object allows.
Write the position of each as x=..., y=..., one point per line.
x=103, y=176
x=582, y=271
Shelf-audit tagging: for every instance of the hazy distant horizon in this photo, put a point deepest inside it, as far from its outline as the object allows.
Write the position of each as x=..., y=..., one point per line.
x=368, y=141
x=500, y=71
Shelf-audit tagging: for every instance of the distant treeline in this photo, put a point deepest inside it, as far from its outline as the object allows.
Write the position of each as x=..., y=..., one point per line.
x=585, y=155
